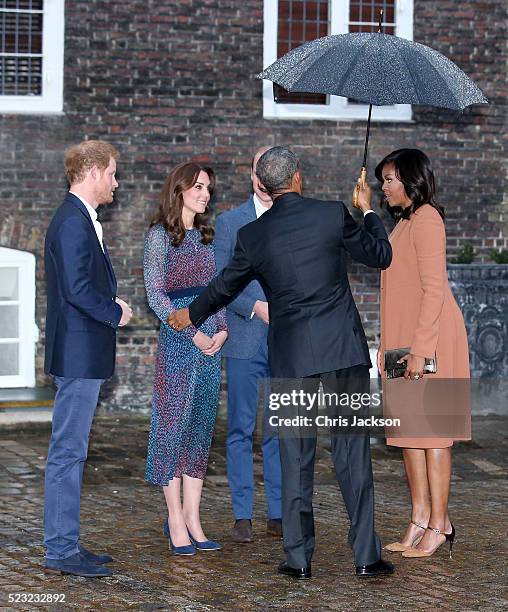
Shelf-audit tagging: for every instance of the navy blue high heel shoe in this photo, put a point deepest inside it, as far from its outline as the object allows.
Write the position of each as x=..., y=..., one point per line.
x=177, y=550
x=206, y=545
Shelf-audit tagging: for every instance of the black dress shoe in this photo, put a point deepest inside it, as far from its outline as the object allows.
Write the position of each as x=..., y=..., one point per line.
x=379, y=568
x=242, y=531
x=299, y=573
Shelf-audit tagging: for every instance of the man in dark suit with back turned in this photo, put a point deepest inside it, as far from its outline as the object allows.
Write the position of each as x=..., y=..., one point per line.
x=83, y=313
x=297, y=250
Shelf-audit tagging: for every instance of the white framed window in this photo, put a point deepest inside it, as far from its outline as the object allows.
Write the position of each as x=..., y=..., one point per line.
x=290, y=23
x=31, y=56
x=18, y=330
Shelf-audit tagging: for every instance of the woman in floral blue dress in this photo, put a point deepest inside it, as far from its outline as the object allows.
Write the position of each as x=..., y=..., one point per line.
x=178, y=263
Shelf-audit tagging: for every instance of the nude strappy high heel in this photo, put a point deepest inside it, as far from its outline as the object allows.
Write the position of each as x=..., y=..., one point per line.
x=398, y=547
x=414, y=553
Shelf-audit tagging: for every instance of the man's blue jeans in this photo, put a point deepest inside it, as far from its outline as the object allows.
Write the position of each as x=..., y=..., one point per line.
x=75, y=403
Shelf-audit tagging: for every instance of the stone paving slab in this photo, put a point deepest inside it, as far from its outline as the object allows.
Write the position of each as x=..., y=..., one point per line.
x=123, y=515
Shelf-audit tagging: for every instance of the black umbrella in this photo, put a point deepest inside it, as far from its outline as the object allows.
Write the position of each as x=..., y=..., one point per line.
x=378, y=69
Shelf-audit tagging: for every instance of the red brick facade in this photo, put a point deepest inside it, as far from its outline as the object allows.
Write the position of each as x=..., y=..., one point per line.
x=166, y=82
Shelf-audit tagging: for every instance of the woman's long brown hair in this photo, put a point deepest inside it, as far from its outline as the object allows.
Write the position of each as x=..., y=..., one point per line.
x=169, y=213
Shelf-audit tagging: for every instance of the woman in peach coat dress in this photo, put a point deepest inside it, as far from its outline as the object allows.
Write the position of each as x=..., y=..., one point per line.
x=418, y=310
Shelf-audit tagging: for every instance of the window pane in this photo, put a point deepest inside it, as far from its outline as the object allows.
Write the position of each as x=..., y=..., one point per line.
x=9, y=327
x=21, y=33
x=21, y=42
x=364, y=15
x=9, y=359
x=283, y=10
x=371, y=28
x=8, y=284
x=34, y=5
x=20, y=76
x=299, y=22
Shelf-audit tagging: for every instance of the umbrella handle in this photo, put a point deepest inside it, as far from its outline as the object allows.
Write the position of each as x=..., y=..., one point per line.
x=363, y=176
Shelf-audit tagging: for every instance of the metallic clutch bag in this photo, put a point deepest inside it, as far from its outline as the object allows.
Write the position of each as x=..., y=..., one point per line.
x=396, y=370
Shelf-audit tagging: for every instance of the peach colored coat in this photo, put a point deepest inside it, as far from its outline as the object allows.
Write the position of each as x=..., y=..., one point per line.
x=418, y=309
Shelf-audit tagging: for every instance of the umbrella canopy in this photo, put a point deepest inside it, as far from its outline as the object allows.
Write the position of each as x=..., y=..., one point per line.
x=378, y=69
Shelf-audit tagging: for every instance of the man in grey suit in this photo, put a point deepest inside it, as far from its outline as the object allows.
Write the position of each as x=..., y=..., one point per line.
x=246, y=353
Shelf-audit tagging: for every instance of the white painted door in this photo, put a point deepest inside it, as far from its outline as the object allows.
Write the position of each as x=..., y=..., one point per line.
x=18, y=331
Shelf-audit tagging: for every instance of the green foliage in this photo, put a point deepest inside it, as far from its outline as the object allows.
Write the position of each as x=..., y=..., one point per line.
x=465, y=255
x=500, y=257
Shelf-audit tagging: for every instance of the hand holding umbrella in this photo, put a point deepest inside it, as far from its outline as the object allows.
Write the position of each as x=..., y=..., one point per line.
x=362, y=193
x=360, y=185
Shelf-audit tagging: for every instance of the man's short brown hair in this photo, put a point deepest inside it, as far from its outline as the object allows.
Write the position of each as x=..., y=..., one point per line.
x=82, y=157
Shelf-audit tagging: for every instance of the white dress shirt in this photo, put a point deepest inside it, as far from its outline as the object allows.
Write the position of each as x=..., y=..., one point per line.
x=93, y=216
x=260, y=209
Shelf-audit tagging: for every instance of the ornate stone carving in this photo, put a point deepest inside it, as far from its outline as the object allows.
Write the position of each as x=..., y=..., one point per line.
x=481, y=291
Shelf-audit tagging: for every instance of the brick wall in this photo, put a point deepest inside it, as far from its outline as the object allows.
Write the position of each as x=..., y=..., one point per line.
x=166, y=82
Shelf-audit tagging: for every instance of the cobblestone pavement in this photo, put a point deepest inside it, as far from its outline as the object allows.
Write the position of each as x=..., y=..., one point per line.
x=122, y=515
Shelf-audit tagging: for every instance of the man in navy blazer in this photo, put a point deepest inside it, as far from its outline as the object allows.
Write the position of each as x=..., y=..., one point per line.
x=298, y=250
x=246, y=353
x=83, y=314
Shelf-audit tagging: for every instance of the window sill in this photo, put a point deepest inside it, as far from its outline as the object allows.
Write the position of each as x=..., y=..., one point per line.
x=58, y=113
x=346, y=119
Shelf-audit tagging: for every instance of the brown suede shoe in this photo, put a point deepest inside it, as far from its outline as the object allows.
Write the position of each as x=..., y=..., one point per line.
x=274, y=527
x=242, y=531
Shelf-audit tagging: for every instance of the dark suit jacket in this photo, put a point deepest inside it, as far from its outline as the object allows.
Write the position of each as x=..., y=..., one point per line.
x=245, y=333
x=297, y=250
x=82, y=315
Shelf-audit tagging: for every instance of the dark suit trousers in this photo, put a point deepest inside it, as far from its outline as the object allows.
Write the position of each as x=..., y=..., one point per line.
x=352, y=462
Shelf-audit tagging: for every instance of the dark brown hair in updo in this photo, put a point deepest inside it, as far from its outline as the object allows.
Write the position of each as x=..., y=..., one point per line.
x=414, y=171
x=169, y=213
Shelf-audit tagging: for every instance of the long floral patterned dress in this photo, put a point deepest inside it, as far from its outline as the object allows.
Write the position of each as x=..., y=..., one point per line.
x=186, y=382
